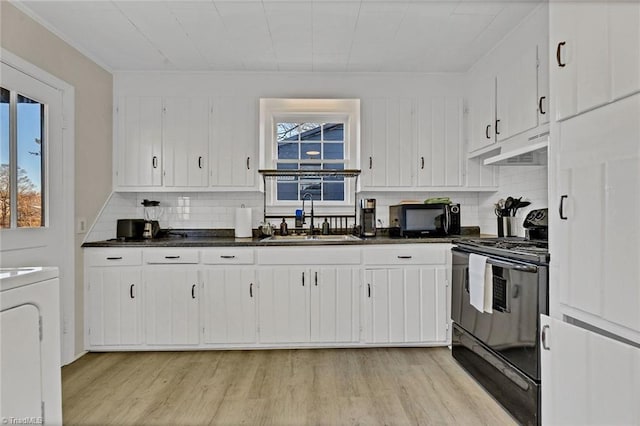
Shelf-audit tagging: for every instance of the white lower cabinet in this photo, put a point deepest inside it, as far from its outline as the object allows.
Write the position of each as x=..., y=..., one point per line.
x=229, y=305
x=115, y=310
x=405, y=305
x=284, y=304
x=171, y=306
x=172, y=298
x=587, y=378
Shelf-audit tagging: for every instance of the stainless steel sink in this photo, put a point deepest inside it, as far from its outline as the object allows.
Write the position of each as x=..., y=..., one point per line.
x=309, y=238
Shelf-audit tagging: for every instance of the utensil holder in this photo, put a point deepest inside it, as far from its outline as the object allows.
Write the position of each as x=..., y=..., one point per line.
x=507, y=226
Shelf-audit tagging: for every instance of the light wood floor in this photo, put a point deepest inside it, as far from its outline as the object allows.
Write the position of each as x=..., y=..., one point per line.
x=420, y=386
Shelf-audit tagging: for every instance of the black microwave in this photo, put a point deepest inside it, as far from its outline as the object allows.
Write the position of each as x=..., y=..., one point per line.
x=424, y=220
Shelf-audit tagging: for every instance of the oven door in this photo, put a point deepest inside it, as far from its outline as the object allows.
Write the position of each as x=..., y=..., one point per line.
x=519, y=297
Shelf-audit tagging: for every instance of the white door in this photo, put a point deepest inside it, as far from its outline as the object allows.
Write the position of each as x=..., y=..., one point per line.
x=439, y=142
x=115, y=310
x=139, y=141
x=185, y=137
x=229, y=310
x=20, y=356
x=284, y=305
x=171, y=306
x=335, y=302
x=587, y=378
x=599, y=183
x=234, y=143
x=482, y=113
x=517, y=95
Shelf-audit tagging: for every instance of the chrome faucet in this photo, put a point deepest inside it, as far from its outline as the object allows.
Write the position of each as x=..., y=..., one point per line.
x=304, y=197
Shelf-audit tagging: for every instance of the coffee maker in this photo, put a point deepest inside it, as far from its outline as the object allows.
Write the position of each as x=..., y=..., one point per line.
x=368, y=217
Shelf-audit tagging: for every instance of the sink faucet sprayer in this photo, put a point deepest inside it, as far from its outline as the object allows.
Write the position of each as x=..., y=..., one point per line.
x=304, y=197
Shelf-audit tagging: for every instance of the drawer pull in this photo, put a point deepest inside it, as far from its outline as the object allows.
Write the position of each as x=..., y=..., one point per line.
x=559, y=54
x=542, y=98
x=405, y=257
x=114, y=258
x=486, y=131
x=251, y=290
x=303, y=279
x=227, y=256
x=131, y=291
x=248, y=163
x=199, y=162
x=172, y=257
x=154, y=162
x=422, y=163
x=316, y=278
x=368, y=290
x=193, y=291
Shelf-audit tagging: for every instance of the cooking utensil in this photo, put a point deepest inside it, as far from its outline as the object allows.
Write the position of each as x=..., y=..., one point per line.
x=508, y=205
x=521, y=205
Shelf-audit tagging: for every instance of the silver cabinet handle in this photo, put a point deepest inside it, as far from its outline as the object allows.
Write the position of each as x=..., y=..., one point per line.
x=543, y=338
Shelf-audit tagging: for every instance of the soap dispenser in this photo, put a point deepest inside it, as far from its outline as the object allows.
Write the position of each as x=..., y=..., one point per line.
x=284, y=228
x=325, y=227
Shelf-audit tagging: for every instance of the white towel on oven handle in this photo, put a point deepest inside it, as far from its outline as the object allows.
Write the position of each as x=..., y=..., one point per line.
x=480, y=283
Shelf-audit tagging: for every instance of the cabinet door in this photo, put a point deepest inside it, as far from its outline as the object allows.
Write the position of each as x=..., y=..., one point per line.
x=482, y=113
x=284, y=315
x=335, y=302
x=517, y=96
x=440, y=142
x=389, y=140
x=139, y=143
x=599, y=183
x=171, y=306
x=230, y=305
x=543, y=84
x=114, y=306
x=185, y=133
x=406, y=305
x=234, y=140
x=587, y=378
x=20, y=357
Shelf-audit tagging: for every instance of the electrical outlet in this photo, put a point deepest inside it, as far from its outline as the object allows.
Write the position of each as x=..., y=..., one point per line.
x=81, y=225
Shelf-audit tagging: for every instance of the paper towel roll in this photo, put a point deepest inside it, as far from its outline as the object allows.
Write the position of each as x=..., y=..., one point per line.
x=243, y=223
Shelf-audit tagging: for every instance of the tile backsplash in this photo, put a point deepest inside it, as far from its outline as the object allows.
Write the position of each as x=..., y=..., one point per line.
x=217, y=209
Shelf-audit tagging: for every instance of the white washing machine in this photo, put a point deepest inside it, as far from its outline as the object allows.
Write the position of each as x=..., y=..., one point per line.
x=30, y=390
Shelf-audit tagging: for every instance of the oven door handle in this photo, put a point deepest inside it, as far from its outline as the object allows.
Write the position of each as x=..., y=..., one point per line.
x=507, y=265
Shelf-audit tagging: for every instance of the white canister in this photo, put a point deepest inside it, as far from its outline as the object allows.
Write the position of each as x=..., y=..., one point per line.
x=243, y=223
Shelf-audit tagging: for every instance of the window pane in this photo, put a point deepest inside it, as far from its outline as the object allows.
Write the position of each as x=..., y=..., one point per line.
x=5, y=189
x=30, y=124
x=333, y=191
x=313, y=188
x=310, y=151
x=333, y=151
x=311, y=132
x=287, y=191
x=288, y=131
x=334, y=132
x=334, y=167
x=288, y=151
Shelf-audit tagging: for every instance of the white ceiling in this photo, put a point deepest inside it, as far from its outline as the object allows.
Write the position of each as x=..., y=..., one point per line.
x=282, y=35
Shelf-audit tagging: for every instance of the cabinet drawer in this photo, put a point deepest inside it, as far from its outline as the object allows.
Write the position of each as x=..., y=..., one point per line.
x=113, y=257
x=170, y=256
x=304, y=255
x=227, y=256
x=414, y=254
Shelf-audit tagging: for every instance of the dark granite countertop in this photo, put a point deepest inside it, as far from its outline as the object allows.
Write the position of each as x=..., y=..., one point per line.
x=225, y=238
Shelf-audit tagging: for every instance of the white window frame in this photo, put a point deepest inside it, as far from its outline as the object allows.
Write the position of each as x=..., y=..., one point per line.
x=273, y=111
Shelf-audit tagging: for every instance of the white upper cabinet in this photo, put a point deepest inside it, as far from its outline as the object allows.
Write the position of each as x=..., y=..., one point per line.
x=185, y=135
x=234, y=143
x=596, y=54
x=517, y=95
x=139, y=142
x=411, y=143
x=482, y=113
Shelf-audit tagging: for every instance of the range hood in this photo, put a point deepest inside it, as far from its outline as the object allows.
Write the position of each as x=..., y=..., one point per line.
x=529, y=150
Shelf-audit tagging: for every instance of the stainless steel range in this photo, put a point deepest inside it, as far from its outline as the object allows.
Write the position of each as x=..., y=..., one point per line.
x=501, y=349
